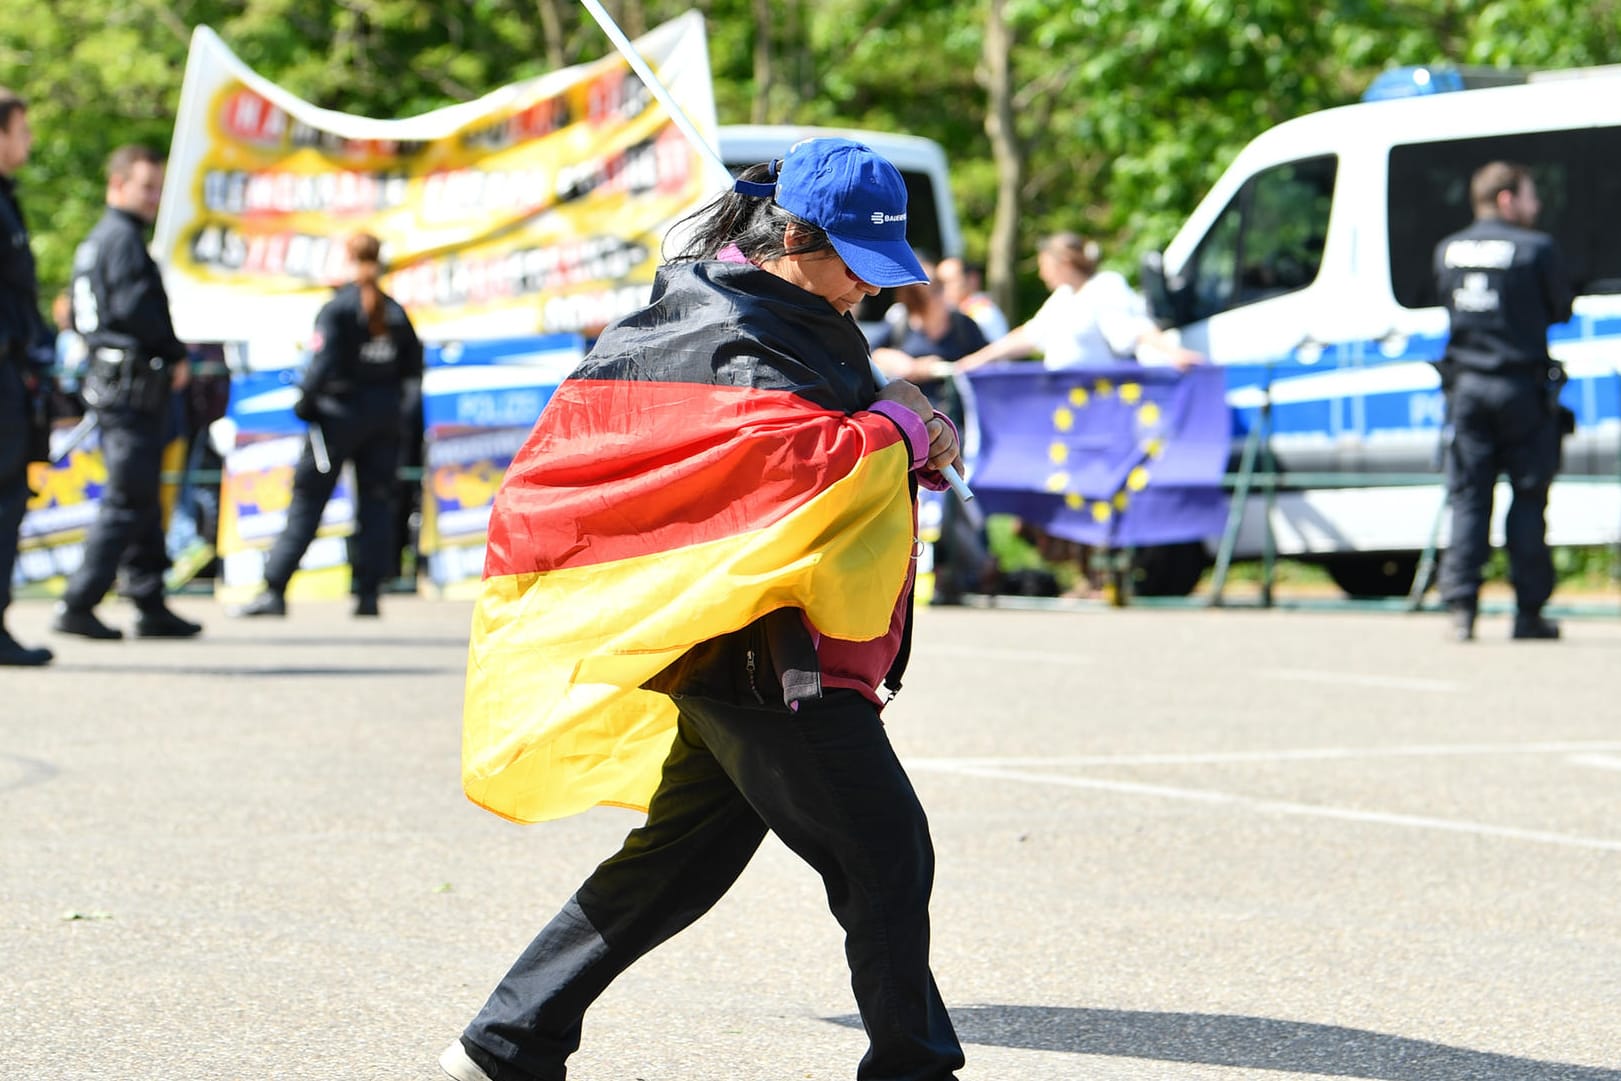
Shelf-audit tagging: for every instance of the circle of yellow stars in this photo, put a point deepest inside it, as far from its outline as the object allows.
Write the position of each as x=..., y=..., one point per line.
x=1152, y=445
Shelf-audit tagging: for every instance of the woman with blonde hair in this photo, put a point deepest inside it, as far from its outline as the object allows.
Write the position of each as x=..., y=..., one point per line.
x=1091, y=317
x=363, y=352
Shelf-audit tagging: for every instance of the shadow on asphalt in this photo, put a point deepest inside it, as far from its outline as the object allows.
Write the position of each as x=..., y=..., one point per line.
x=19, y=772
x=353, y=641
x=1248, y=1042
x=251, y=671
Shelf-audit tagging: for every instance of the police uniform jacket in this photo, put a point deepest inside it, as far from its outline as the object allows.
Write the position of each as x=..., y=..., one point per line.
x=115, y=278
x=1503, y=286
x=350, y=368
x=22, y=328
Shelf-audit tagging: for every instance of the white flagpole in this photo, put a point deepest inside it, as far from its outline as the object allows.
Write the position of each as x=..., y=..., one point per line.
x=656, y=85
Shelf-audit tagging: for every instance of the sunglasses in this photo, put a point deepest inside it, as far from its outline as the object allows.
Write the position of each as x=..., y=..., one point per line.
x=848, y=273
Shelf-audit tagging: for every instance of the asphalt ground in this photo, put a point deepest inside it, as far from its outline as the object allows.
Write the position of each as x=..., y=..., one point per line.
x=1175, y=844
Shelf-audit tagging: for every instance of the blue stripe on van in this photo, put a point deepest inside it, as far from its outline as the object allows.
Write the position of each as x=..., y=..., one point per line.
x=1354, y=391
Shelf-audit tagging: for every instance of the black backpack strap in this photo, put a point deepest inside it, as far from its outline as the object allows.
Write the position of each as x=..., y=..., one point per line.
x=892, y=680
x=897, y=669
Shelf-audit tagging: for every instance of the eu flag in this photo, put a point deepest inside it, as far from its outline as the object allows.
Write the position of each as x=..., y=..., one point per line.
x=1116, y=456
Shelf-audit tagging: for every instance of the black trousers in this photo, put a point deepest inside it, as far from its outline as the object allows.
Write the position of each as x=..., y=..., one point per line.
x=1501, y=425
x=127, y=535
x=13, y=472
x=372, y=442
x=827, y=782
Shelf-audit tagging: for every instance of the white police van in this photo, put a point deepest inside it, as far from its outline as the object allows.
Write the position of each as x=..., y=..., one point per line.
x=1306, y=272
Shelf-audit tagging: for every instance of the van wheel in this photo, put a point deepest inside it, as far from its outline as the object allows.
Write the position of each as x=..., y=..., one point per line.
x=1167, y=570
x=1387, y=574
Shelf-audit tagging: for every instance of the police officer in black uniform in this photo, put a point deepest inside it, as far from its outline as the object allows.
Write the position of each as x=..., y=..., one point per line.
x=25, y=357
x=366, y=356
x=1503, y=284
x=121, y=309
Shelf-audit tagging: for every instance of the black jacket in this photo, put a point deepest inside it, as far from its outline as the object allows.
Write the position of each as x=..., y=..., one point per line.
x=346, y=359
x=732, y=324
x=22, y=327
x=1503, y=287
x=118, y=297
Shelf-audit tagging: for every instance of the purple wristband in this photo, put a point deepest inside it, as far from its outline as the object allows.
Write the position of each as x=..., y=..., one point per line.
x=911, y=426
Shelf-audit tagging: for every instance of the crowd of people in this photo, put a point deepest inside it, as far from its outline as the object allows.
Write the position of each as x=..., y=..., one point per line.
x=367, y=366
x=1091, y=317
x=115, y=329
x=775, y=716
x=366, y=360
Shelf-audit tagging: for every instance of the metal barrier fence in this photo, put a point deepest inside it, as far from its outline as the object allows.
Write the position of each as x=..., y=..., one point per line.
x=1257, y=471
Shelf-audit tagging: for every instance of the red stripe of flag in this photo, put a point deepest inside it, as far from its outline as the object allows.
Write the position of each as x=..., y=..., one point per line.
x=618, y=469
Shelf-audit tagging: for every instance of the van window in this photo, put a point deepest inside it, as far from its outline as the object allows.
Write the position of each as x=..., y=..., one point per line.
x=1267, y=241
x=1577, y=182
x=922, y=215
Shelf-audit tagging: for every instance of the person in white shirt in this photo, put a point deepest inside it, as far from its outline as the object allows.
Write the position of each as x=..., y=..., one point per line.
x=1091, y=317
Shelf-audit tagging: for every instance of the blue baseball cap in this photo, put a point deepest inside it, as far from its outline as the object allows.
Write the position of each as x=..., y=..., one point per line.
x=859, y=200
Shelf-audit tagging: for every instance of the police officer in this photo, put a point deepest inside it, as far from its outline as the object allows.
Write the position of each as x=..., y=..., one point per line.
x=1503, y=284
x=366, y=357
x=121, y=309
x=25, y=356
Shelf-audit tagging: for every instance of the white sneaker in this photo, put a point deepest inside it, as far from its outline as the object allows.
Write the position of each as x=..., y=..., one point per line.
x=455, y=1062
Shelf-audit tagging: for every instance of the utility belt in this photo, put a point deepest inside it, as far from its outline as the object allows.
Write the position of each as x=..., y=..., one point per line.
x=126, y=379
x=1549, y=375
x=1563, y=416
x=348, y=390
x=353, y=382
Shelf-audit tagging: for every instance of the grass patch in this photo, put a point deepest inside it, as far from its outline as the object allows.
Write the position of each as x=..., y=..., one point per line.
x=1591, y=568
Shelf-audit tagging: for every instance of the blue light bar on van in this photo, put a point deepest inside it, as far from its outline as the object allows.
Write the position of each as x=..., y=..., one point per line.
x=1412, y=82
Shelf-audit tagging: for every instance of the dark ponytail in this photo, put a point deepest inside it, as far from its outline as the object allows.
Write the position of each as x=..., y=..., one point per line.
x=366, y=252
x=756, y=224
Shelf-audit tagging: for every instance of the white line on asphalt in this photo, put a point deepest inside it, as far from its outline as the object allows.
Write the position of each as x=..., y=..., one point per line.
x=1356, y=679
x=1298, y=675
x=1597, y=761
x=1288, y=754
x=1344, y=814
x=991, y=653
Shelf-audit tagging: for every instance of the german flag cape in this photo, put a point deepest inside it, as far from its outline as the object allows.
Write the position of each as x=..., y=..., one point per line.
x=708, y=463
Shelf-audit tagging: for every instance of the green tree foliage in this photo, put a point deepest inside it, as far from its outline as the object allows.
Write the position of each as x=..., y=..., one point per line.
x=95, y=75
x=1130, y=110
x=1125, y=110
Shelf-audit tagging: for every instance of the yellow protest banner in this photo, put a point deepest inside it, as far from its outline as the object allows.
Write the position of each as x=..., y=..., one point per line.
x=538, y=208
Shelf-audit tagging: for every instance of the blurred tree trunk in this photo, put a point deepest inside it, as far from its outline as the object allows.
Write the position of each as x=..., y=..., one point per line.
x=760, y=108
x=631, y=17
x=803, y=68
x=551, y=25
x=996, y=74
